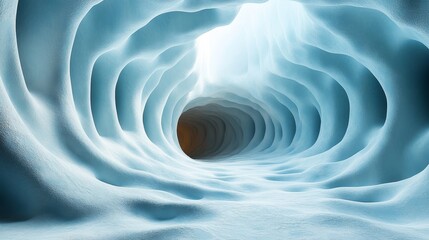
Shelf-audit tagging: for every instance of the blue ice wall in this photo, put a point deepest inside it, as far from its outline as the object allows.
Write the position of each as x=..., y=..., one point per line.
x=302, y=119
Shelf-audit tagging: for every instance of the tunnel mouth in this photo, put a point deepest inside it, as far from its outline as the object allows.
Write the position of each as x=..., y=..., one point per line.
x=214, y=131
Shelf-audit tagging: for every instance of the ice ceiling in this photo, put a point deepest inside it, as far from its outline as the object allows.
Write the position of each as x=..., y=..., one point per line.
x=214, y=119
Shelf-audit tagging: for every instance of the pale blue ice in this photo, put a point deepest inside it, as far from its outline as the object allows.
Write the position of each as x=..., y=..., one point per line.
x=314, y=113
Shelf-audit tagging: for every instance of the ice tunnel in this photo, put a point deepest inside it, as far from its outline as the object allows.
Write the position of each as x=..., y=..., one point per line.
x=214, y=119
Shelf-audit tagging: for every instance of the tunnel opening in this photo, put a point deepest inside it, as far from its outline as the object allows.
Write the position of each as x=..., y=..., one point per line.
x=214, y=131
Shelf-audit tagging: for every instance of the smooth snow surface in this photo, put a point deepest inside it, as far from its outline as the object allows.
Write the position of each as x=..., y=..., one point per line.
x=306, y=119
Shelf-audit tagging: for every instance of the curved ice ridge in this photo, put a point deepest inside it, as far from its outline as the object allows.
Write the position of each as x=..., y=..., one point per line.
x=307, y=119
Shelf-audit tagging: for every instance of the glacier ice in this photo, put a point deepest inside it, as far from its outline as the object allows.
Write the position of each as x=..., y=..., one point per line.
x=302, y=119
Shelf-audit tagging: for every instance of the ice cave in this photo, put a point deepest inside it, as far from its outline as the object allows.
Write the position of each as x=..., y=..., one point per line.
x=214, y=119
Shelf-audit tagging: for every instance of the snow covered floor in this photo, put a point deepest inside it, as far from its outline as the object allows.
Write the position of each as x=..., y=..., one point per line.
x=304, y=119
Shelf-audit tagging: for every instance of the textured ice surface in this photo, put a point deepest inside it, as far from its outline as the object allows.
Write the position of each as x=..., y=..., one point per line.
x=309, y=119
